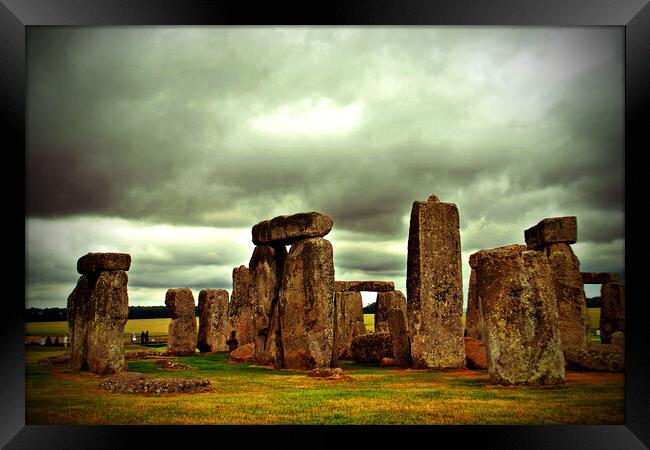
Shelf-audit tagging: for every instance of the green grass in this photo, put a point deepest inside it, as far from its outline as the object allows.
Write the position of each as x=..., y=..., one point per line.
x=156, y=327
x=246, y=394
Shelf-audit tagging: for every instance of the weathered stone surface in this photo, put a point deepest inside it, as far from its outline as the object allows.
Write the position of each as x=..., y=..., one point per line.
x=570, y=294
x=240, y=308
x=335, y=372
x=601, y=358
x=472, y=321
x=243, y=355
x=519, y=317
x=398, y=329
x=109, y=311
x=618, y=339
x=307, y=305
x=285, y=230
x=78, y=314
x=388, y=362
x=182, y=328
x=348, y=311
x=551, y=231
x=434, y=286
x=214, y=326
x=385, y=302
x=265, y=268
x=600, y=277
x=612, y=310
x=475, y=354
x=367, y=286
x=372, y=347
x=97, y=262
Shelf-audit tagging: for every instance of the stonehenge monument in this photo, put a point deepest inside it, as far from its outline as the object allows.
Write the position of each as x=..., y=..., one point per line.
x=98, y=309
x=554, y=236
x=434, y=286
x=518, y=315
x=182, y=328
x=214, y=328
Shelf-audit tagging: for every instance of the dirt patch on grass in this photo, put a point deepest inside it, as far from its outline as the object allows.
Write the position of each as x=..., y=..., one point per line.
x=171, y=365
x=137, y=383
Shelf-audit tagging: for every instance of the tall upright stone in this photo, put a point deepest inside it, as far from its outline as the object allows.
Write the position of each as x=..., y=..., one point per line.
x=519, y=320
x=240, y=308
x=348, y=313
x=182, y=328
x=214, y=324
x=398, y=329
x=266, y=266
x=307, y=305
x=385, y=302
x=78, y=312
x=472, y=322
x=570, y=294
x=612, y=311
x=434, y=286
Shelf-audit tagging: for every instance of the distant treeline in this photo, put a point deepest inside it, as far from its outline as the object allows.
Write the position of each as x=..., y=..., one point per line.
x=60, y=314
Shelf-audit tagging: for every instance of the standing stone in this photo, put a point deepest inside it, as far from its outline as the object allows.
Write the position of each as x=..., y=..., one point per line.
x=398, y=329
x=472, y=322
x=109, y=312
x=519, y=318
x=570, y=294
x=307, y=305
x=434, y=286
x=78, y=312
x=214, y=326
x=285, y=230
x=266, y=266
x=240, y=308
x=182, y=328
x=348, y=310
x=385, y=302
x=612, y=311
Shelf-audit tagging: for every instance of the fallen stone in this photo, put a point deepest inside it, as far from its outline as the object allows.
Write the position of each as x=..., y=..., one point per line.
x=348, y=311
x=335, y=372
x=108, y=314
x=434, y=286
x=385, y=302
x=55, y=360
x=519, y=316
x=366, y=286
x=600, y=277
x=618, y=339
x=570, y=294
x=182, y=328
x=137, y=383
x=307, y=305
x=240, y=308
x=214, y=326
x=612, y=310
x=98, y=262
x=265, y=267
x=285, y=230
x=475, y=354
x=243, y=355
x=472, y=321
x=372, y=347
x=601, y=358
x=398, y=329
x=552, y=231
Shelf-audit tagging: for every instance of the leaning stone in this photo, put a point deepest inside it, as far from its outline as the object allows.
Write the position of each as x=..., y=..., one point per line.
x=570, y=294
x=335, y=372
x=97, y=262
x=265, y=267
x=214, y=327
x=78, y=312
x=372, y=347
x=398, y=329
x=242, y=355
x=618, y=339
x=472, y=321
x=600, y=277
x=182, y=328
x=348, y=311
x=475, y=354
x=307, y=305
x=385, y=302
x=285, y=230
x=552, y=231
x=240, y=308
x=518, y=308
x=601, y=358
x=366, y=286
x=109, y=312
x=434, y=286
x=612, y=310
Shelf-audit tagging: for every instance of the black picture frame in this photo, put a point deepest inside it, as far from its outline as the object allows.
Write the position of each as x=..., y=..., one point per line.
x=16, y=15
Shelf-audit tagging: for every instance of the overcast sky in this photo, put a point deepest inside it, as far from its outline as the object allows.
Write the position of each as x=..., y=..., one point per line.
x=170, y=143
